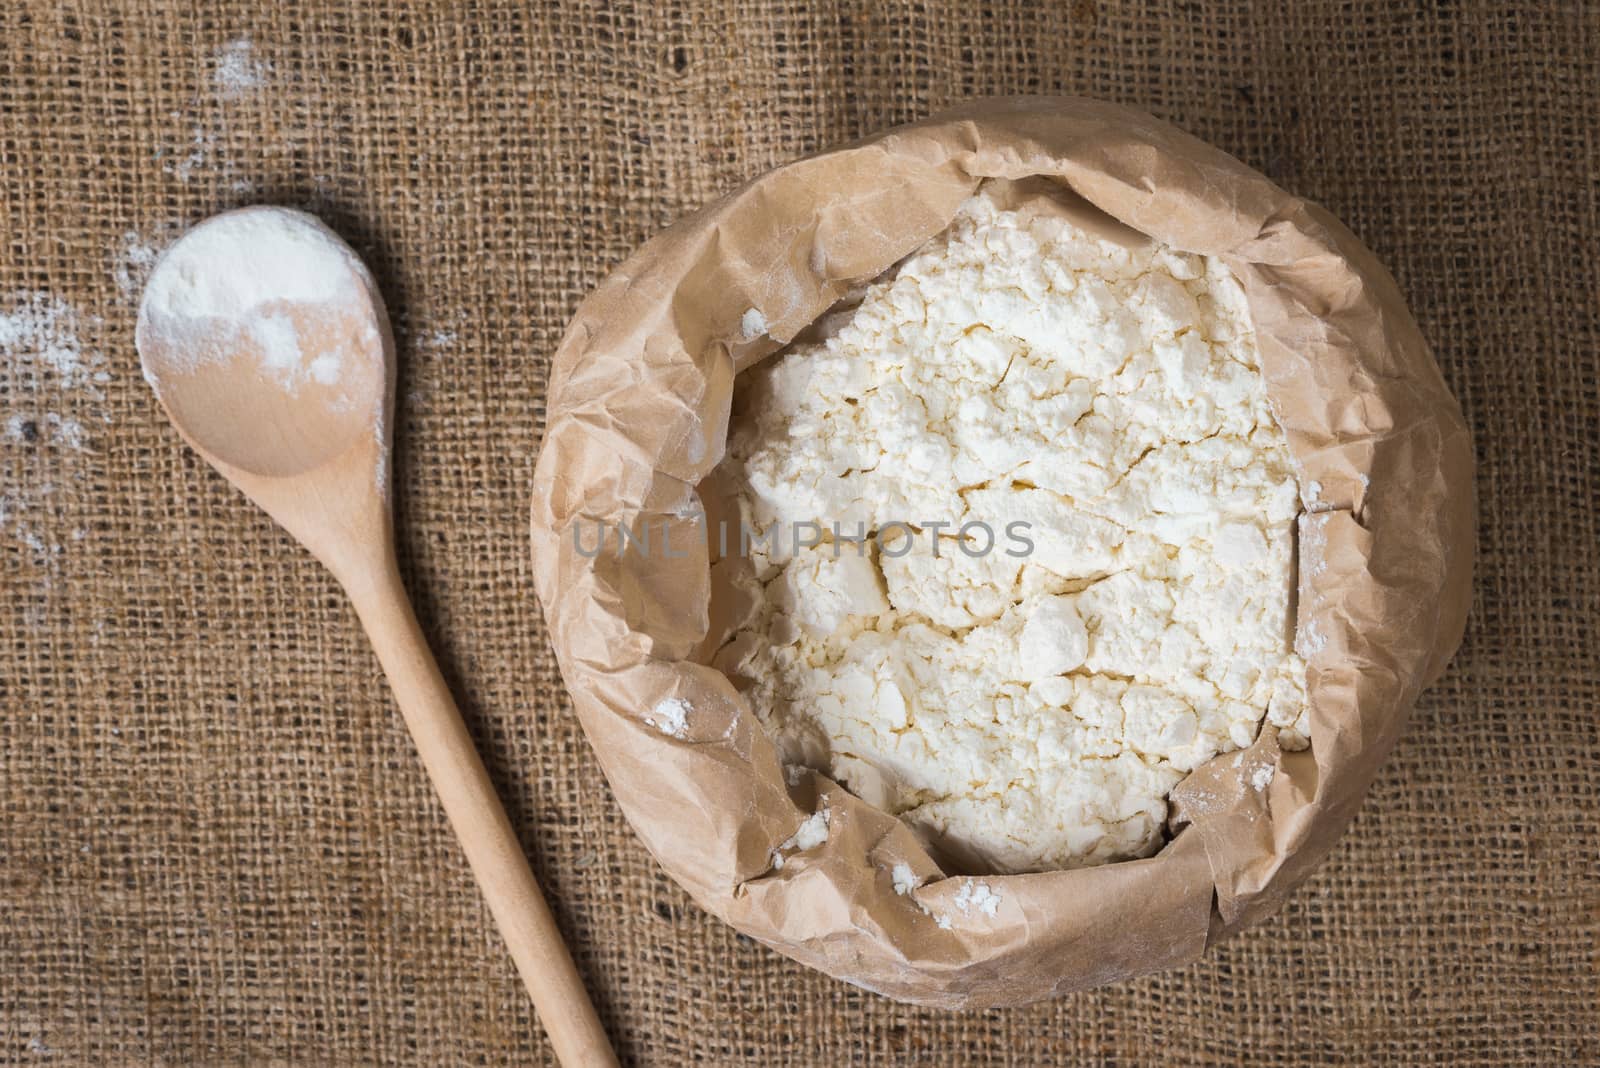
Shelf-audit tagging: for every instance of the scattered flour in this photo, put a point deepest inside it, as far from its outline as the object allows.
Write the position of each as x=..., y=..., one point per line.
x=432, y=342
x=1262, y=777
x=905, y=880
x=1314, y=540
x=200, y=145
x=236, y=70
x=813, y=831
x=61, y=430
x=752, y=324
x=39, y=338
x=133, y=263
x=977, y=895
x=50, y=376
x=1309, y=641
x=42, y=547
x=671, y=716
x=236, y=73
x=972, y=895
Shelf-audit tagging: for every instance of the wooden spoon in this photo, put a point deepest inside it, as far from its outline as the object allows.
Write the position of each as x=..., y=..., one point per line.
x=266, y=341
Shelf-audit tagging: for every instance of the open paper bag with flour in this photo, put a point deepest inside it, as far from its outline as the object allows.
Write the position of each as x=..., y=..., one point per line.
x=639, y=410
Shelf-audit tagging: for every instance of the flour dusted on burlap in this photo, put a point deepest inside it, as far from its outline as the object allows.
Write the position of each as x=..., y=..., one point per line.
x=237, y=70
x=40, y=346
x=1024, y=710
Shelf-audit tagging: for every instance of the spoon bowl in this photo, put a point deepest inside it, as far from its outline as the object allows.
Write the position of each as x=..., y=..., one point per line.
x=274, y=386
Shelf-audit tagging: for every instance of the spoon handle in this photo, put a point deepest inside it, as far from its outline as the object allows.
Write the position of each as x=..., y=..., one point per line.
x=480, y=822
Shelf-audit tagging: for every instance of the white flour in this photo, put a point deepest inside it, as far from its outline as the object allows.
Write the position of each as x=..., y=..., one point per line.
x=135, y=258
x=39, y=340
x=237, y=73
x=977, y=895
x=51, y=378
x=234, y=276
x=671, y=716
x=812, y=832
x=1262, y=777
x=905, y=880
x=236, y=70
x=51, y=427
x=1026, y=710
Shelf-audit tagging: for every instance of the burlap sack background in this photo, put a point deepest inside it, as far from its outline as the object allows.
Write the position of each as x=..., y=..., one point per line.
x=215, y=845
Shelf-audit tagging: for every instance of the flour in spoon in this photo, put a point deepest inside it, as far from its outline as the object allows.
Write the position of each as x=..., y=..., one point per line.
x=235, y=278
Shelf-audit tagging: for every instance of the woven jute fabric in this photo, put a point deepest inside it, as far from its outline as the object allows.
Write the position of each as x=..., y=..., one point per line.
x=216, y=845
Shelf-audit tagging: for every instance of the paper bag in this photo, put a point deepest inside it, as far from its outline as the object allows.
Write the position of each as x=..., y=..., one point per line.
x=638, y=414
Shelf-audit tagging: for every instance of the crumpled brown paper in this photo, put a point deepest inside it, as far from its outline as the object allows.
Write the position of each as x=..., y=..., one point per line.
x=638, y=413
